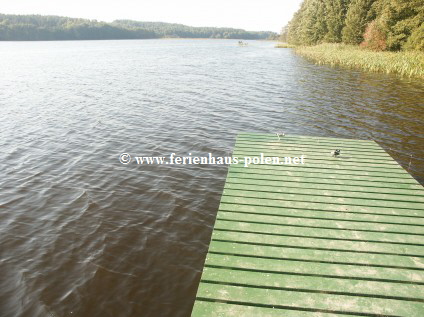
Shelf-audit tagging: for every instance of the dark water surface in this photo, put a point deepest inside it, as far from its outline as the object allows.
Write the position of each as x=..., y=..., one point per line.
x=83, y=235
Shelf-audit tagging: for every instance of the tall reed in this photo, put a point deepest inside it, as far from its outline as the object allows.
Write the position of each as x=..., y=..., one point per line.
x=409, y=64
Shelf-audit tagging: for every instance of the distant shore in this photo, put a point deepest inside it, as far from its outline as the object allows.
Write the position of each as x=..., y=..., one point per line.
x=209, y=38
x=57, y=28
x=149, y=39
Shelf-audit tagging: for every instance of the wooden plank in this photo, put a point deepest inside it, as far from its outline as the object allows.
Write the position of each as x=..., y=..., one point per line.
x=331, y=270
x=327, y=198
x=335, y=169
x=325, y=229
x=319, y=151
x=252, y=135
x=301, y=138
x=327, y=302
x=303, y=142
x=318, y=244
x=300, y=141
x=340, y=192
x=328, y=172
x=323, y=155
x=324, y=178
x=322, y=284
x=335, y=185
x=333, y=192
x=325, y=148
x=213, y=309
x=324, y=206
x=316, y=256
x=330, y=163
x=298, y=138
x=380, y=158
x=406, y=232
x=325, y=158
x=351, y=220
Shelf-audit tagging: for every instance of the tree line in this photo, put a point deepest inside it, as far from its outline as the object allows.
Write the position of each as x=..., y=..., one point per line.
x=47, y=28
x=183, y=31
x=375, y=24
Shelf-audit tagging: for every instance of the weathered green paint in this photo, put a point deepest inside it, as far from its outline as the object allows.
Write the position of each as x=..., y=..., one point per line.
x=334, y=237
x=328, y=176
x=217, y=309
x=333, y=184
x=320, y=256
x=332, y=191
x=314, y=228
x=399, y=175
x=323, y=227
x=343, y=219
x=310, y=205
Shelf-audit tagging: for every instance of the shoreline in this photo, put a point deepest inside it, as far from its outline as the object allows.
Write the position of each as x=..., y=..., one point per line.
x=120, y=39
x=405, y=63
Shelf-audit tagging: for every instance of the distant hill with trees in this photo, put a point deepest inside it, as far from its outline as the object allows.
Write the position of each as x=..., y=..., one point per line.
x=183, y=31
x=375, y=24
x=48, y=28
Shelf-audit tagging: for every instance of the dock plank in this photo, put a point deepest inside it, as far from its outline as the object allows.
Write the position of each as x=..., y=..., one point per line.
x=309, y=300
x=316, y=256
x=300, y=216
x=215, y=308
x=341, y=191
x=326, y=230
x=315, y=284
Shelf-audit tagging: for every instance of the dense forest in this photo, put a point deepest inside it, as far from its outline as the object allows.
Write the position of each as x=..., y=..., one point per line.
x=46, y=28
x=375, y=24
x=184, y=31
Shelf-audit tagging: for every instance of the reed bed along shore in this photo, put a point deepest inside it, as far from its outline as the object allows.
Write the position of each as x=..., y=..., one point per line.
x=284, y=45
x=409, y=64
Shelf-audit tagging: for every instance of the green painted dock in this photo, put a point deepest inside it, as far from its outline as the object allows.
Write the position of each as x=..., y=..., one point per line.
x=336, y=236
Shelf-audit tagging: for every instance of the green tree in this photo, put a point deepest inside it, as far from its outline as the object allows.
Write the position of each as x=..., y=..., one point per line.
x=416, y=40
x=293, y=34
x=404, y=18
x=308, y=26
x=313, y=26
x=284, y=34
x=357, y=18
x=396, y=24
x=335, y=14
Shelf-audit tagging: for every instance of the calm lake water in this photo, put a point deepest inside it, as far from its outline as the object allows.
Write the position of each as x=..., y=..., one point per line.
x=82, y=234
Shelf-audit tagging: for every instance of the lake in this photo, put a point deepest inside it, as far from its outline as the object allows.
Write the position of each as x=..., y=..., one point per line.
x=82, y=234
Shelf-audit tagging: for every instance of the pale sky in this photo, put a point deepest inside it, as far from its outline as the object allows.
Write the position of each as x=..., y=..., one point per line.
x=252, y=15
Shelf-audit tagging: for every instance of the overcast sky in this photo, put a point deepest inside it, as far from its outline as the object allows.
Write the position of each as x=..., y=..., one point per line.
x=252, y=15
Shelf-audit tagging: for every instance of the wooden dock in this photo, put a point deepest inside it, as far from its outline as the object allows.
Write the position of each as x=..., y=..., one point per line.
x=337, y=236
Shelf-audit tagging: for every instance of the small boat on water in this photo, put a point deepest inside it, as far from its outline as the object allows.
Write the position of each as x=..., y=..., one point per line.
x=241, y=43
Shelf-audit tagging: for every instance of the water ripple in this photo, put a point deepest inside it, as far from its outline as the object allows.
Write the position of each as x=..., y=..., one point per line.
x=83, y=235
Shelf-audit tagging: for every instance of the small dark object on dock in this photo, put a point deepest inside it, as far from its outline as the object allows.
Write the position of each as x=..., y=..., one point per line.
x=336, y=153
